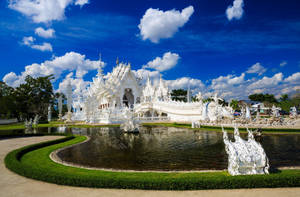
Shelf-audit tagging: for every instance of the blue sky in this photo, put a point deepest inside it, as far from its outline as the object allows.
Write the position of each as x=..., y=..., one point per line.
x=232, y=47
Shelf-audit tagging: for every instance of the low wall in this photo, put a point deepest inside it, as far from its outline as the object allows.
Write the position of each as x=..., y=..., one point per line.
x=8, y=121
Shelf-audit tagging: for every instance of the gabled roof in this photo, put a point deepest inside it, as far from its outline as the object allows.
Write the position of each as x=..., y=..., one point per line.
x=113, y=80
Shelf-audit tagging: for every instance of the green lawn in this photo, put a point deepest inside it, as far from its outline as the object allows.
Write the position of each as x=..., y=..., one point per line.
x=229, y=129
x=33, y=162
x=53, y=124
x=20, y=126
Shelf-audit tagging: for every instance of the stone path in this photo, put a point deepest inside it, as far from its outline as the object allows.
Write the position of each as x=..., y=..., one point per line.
x=13, y=185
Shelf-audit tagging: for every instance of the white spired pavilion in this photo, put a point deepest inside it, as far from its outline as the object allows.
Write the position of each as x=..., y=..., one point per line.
x=108, y=97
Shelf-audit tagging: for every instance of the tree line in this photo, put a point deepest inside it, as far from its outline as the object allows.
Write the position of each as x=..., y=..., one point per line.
x=30, y=98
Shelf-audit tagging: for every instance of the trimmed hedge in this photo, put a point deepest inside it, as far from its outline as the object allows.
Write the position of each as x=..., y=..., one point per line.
x=33, y=162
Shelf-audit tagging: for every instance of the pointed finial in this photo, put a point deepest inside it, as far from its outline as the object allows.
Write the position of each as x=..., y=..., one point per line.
x=117, y=61
x=100, y=58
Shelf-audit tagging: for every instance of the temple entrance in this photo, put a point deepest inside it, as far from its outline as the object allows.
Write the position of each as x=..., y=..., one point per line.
x=128, y=98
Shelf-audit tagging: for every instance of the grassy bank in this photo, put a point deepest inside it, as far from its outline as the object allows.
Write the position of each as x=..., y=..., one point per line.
x=33, y=162
x=20, y=126
x=218, y=128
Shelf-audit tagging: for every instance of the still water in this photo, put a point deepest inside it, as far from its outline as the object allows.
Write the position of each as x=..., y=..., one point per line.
x=161, y=148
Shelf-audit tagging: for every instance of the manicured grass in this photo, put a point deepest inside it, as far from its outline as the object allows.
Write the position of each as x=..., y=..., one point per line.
x=229, y=129
x=12, y=126
x=33, y=162
x=19, y=126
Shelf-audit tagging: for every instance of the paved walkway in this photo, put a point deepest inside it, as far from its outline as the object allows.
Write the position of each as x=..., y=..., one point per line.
x=14, y=185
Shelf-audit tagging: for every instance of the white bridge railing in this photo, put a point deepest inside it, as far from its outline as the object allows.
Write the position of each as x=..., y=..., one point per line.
x=152, y=119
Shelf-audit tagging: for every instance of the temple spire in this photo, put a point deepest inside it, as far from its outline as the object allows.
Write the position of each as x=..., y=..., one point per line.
x=99, y=74
x=117, y=61
x=188, y=94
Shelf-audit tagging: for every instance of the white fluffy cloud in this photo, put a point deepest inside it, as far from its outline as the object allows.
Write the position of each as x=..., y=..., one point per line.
x=157, y=24
x=267, y=82
x=43, y=11
x=185, y=82
x=49, y=33
x=294, y=78
x=168, y=61
x=71, y=61
x=144, y=73
x=81, y=2
x=79, y=86
x=235, y=11
x=29, y=41
x=42, y=47
x=227, y=86
x=256, y=68
x=11, y=79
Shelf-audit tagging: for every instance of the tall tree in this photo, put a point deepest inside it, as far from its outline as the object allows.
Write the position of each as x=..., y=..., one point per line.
x=235, y=104
x=7, y=101
x=284, y=97
x=34, y=96
x=263, y=98
x=179, y=95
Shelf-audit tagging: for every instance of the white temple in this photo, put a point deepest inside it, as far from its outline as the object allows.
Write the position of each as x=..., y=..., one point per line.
x=108, y=96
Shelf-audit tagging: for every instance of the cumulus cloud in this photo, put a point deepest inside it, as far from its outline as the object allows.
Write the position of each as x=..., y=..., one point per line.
x=294, y=78
x=235, y=11
x=266, y=82
x=71, y=61
x=42, y=47
x=157, y=24
x=49, y=33
x=29, y=41
x=79, y=85
x=256, y=68
x=227, y=86
x=43, y=11
x=81, y=2
x=168, y=61
x=184, y=82
x=11, y=79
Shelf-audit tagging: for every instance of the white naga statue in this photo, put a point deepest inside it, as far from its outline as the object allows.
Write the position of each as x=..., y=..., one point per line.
x=245, y=157
x=60, y=107
x=275, y=111
x=293, y=111
x=49, y=113
x=129, y=124
x=69, y=102
x=248, y=114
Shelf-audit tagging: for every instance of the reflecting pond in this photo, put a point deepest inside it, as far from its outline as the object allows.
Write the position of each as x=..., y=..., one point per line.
x=162, y=148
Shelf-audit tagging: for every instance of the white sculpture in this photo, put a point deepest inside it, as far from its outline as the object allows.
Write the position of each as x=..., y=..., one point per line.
x=36, y=120
x=60, y=107
x=275, y=111
x=28, y=124
x=293, y=112
x=204, y=111
x=49, y=113
x=69, y=102
x=245, y=157
x=248, y=114
x=129, y=124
